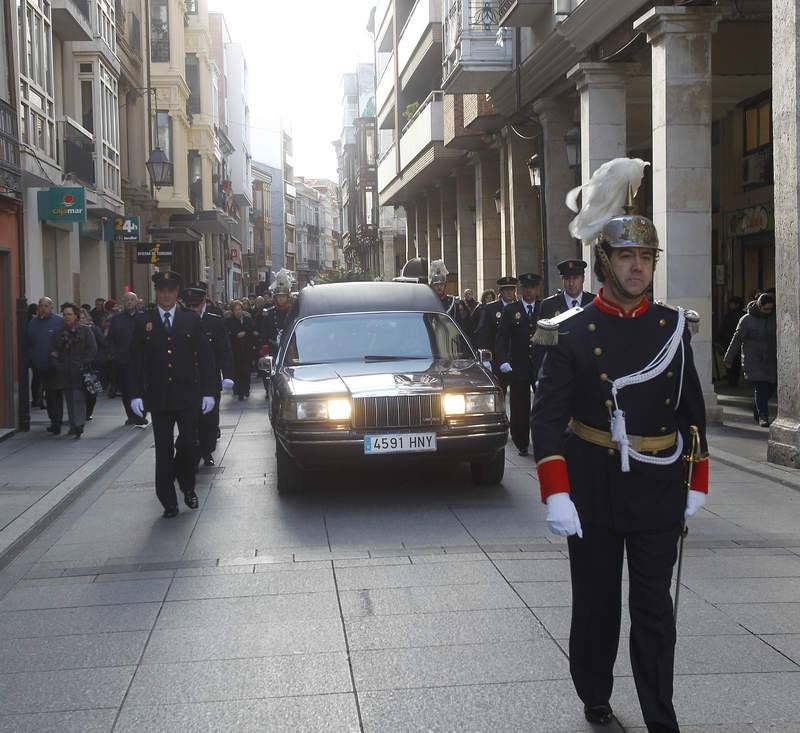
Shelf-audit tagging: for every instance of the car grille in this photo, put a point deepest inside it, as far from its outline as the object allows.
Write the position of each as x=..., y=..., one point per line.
x=400, y=411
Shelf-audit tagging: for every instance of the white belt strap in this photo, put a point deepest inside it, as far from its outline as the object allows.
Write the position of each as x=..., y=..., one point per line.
x=659, y=364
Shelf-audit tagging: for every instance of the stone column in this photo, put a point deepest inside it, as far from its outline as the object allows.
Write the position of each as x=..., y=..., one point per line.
x=603, y=124
x=449, y=219
x=556, y=117
x=411, y=231
x=466, y=230
x=489, y=254
x=421, y=242
x=434, y=225
x=784, y=434
x=524, y=217
x=507, y=242
x=680, y=38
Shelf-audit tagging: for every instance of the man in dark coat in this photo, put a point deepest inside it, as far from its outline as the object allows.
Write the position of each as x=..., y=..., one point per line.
x=572, y=295
x=217, y=336
x=514, y=354
x=171, y=374
x=489, y=322
x=120, y=336
x=618, y=404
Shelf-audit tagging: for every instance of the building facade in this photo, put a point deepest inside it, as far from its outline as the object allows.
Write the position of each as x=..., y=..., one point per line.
x=261, y=223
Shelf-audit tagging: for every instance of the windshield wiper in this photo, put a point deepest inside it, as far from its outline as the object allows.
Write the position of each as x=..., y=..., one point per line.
x=378, y=357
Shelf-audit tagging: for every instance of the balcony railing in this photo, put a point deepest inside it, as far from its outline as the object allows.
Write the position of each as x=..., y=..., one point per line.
x=71, y=20
x=387, y=168
x=423, y=129
x=79, y=152
x=424, y=14
x=291, y=220
x=385, y=85
x=477, y=51
x=9, y=148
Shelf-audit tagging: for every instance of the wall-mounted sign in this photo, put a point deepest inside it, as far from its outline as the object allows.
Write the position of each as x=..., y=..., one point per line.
x=123, y=229
x=62, y=204
x=753, y=220
x=153, y=254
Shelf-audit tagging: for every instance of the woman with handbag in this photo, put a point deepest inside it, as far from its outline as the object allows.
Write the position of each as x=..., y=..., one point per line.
x=72, y=350
x=92, y=377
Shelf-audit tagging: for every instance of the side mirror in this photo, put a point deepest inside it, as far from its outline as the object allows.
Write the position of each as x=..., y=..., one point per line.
x=485, y=355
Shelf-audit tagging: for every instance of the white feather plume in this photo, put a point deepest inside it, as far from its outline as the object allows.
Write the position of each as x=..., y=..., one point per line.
x=283, y=279
x=603, y=197
x=438, y=269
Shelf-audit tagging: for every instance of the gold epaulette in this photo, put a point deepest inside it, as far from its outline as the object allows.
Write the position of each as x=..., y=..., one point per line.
x=547, y=328
x=692, y=317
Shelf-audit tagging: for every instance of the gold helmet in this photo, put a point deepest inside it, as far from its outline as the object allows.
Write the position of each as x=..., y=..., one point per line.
x=438, y=273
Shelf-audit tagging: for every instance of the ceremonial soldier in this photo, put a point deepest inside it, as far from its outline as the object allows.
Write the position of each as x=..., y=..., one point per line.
x=172, y=374
x=278, y=318
x=217, y=337
x=573, y=274
x=514, y=354
x=438, y=282
x=618, y=405
x=490, y=315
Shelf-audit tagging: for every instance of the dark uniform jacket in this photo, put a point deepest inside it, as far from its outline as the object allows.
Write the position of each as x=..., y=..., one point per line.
x=217, y=337
x=174, y=371
x=514, y=342
x=120, y=336
x=276, y=323
x=551, y=307
x=486, y=331
x=594, y=347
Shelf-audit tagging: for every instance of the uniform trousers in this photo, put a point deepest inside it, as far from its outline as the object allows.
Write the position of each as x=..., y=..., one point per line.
x=520, y=407
x=596, y=571
x=175, y=459
x=121, y=382
x=208, y=429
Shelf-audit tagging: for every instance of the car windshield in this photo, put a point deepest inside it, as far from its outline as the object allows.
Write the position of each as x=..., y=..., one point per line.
x=376, y=337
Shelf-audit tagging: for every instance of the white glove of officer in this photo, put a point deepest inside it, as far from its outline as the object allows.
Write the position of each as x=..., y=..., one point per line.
x=487, y=365
x=208, y=405
x=694, y=502
x=562, y=516
x=137, y=407
x=505, y=367
x=226, y=384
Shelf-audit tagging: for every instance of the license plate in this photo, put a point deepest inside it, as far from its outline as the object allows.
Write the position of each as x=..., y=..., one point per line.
x=400, y=443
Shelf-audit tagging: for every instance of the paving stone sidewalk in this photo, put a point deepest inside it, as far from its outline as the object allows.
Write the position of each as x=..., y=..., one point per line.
x=380, y=603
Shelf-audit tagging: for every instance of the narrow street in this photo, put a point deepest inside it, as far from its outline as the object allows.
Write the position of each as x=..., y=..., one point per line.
x=413, y=602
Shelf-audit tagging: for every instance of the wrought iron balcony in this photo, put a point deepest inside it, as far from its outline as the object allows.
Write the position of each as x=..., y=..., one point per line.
x=79, y=152
x=477, y=52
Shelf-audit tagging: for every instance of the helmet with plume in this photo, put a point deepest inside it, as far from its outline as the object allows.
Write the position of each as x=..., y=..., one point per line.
x=438, y=273
x=283, y=283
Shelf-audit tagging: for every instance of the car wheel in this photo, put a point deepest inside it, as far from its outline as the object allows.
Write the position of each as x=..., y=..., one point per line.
x=489, y=472
x=290, y=477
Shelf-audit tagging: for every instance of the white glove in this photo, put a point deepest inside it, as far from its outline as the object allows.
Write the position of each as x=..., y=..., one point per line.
x=226, y=384
x=207, y=405
x=694, y=501
x=487, y=364
x=137, y=406
x=505, y=367
x=562, y=516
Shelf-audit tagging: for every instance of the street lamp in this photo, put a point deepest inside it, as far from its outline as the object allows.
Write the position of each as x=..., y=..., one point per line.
x=498, y=201
x=535, y=170
x=160, y=169
x=572, y=141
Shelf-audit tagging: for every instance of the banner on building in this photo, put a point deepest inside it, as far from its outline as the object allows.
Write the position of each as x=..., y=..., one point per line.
x=153, y=254
x=62, y=204
x=123, y=229
x=753, y=220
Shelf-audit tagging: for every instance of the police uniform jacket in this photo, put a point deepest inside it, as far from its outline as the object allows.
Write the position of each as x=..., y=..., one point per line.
x=276, y=323
x=514, y=341
x=490, y=316
x=217, y=337
x=551, y=307
x=171, y=371
x=120, y=336
x=596, y=346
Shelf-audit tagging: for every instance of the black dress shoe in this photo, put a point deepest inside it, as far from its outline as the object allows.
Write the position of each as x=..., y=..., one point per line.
x=523, y=451
x=208, y=460
x=170, y=512
x=191, y=500
x=598, y=714
x=54, y=429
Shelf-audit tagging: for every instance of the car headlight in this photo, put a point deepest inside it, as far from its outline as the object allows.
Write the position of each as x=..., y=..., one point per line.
x=469, y=404
x=337, y=409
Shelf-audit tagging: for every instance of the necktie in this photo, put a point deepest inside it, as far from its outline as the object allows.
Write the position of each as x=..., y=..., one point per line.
x=574, y=304
x=530, y=312
x=167, y=324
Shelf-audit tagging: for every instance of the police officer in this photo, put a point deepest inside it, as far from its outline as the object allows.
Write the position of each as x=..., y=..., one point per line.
x=217, y=336
x=172, y=374
x=437, y=279
x=620, y=375
x=514, y=354
x=490, y=315
x=572, y=295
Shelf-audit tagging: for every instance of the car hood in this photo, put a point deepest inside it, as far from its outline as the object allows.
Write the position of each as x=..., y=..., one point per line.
x=359, y=379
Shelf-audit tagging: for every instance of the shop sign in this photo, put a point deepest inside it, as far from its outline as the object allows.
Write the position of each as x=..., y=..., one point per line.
x=753, y=220
x=153, y=254
x=62, y=204
x=124, y=229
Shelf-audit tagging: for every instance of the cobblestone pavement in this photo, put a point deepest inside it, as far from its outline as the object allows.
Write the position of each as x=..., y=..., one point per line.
x=409, y=601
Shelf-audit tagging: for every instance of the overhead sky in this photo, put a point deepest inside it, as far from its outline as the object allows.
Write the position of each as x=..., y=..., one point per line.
x=297, y=51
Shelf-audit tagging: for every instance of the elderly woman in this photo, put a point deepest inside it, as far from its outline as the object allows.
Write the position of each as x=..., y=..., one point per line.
x=755, y=336
x=241, y=332
x=72, y=350
x=101, y=358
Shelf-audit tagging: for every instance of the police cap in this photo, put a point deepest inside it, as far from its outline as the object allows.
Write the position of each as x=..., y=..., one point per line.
x=571, y=268
x=194, y=296
x=507, y=282
x=530, y=279
x=168, y=279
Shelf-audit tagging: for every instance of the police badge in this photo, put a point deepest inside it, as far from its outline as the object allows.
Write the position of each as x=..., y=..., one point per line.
x=498, y=315
x=149, y=326
x=518, y=315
